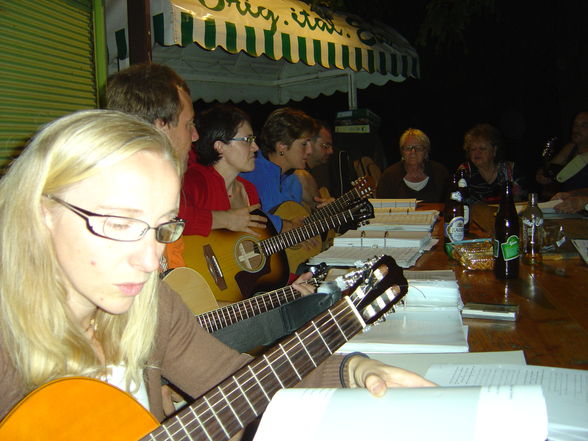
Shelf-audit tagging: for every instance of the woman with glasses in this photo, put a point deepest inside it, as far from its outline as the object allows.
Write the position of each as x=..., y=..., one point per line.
x=486, y=173
x=225, y=148
x=85, y=213
x=415, y=176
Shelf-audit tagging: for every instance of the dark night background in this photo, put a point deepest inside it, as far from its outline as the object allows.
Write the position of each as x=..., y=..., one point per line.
x=522, y=67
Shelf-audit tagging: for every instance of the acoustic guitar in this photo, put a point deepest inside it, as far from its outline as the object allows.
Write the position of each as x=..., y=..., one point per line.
x=297, y=254
x=236, y=265
x=73, y=409
x=194, y=291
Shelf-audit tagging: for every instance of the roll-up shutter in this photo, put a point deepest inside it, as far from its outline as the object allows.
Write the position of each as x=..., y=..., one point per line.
x=46, y=66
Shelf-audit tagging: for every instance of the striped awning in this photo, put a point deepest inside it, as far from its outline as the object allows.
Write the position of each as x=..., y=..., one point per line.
x=305, y=44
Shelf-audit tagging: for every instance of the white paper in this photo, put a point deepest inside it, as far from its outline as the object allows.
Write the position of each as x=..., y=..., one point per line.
x=413, y=330
x=410, y=414
x=421, y=362
x=565, y=390
x=582, y=247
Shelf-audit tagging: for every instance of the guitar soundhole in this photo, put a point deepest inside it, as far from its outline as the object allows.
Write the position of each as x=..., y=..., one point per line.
x=248, y=255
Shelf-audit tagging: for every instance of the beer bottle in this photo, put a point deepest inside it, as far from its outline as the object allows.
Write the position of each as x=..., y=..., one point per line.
x=532, y=232
x=453, y=213
x=506, y=237
x=462, y=183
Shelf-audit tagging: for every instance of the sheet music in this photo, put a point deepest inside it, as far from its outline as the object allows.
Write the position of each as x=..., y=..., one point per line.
x=565, y=390
x=408, y=414
x=393, y=204
x=347, y=256
x=582, y=247
x=414, y=221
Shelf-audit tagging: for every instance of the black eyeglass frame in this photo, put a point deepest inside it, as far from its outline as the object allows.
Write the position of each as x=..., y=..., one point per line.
x=86, y=215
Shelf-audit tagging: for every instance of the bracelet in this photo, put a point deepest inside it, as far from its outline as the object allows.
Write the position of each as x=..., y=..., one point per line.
x=343, y=365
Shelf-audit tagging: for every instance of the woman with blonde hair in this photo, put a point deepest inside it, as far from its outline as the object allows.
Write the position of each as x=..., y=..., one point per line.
x=415, y=176
x=85, y=213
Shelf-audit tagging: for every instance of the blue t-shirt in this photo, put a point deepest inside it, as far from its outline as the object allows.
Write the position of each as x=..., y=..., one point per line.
x=273, y=187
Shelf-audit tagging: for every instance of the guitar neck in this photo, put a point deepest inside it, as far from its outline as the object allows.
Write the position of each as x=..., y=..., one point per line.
x=220, y=318
x=341, y=203
x=239, y=400
x=298, y=235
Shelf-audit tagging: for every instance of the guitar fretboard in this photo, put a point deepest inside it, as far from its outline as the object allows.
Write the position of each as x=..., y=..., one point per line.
x=230, y=314
x=298, y=235
x=236, y=402
x=338, y=205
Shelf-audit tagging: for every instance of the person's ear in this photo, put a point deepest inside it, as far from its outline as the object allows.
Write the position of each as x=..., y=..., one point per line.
x=47, y=215
x=159, y=124
x=219, y=146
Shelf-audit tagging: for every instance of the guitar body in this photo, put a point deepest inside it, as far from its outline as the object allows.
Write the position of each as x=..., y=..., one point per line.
x=232, y=264
x=192, y=288
x=297, y=254
x=76, y=408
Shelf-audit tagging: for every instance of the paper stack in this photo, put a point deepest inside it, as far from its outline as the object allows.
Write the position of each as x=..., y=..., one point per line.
x=429, y=321
x=376, y=239
x=348, y=256
x=401, y=205
x=407, y=221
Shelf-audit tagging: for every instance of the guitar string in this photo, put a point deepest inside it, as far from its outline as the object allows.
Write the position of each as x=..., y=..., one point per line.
x=294, y=350
x=211, y=320
x=263, y=373
x=309, y=336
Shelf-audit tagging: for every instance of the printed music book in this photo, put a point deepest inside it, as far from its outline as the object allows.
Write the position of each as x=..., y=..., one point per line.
x=408, y=414
x=348, y=256
x=394, y=204
x=565, y=391
x=375, y=239
x=409, y=330
x=385, y=220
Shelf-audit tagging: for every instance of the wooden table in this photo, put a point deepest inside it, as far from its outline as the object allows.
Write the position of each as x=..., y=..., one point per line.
x=552, y=327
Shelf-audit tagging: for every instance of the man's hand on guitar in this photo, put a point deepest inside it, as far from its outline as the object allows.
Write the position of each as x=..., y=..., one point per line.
x=238, y=219
x=301, y=285
x=377, y=377
x=321, y=202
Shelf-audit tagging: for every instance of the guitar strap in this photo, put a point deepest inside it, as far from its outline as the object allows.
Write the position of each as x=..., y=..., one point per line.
x=265, y=329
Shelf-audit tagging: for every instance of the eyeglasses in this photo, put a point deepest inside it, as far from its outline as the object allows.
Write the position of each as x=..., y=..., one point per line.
x=326, y=146
x=125, y=229
x=416, y=148
x=248, y=139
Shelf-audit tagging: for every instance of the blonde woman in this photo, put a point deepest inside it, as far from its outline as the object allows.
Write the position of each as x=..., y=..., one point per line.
x=415, y=176
x=85, y=213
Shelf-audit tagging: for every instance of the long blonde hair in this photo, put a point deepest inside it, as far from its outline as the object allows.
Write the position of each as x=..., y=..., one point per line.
x=36, y=327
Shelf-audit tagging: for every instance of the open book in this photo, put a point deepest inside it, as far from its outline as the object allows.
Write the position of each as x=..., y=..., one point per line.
x=440, y=414
x=565, y=391
x=428, y=321
x=377, y=239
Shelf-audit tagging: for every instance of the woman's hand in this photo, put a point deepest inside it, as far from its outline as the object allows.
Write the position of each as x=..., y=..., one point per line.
x=377, y=377
x=301, y=286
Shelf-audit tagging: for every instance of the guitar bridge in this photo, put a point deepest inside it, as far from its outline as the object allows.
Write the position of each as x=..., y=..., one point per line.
x=214, y=268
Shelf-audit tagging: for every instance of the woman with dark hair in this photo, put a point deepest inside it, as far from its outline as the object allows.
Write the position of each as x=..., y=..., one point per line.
x=416, y=176
x=486, y=172
x=286, y=144
x=211, y=185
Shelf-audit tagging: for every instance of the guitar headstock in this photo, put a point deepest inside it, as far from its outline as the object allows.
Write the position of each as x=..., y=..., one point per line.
x=363, y=211
x=381, y=286
x=364, y=186
x=319, y=272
